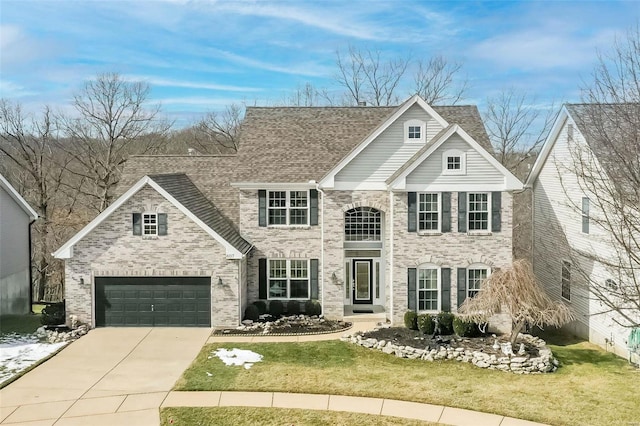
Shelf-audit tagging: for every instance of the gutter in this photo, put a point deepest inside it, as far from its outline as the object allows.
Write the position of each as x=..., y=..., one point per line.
x=30, y=267
x=317, y=185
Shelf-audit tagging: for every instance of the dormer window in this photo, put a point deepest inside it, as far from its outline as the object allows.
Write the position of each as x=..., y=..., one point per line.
x=414, y=131
x=454, y=162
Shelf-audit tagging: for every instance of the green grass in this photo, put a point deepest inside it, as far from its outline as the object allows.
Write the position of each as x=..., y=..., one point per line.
x=591, y=388
x=37, y=308
x=245, y=416
x=21, y=324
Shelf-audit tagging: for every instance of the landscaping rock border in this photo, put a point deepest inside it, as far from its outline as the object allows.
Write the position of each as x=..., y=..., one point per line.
x=455, y=350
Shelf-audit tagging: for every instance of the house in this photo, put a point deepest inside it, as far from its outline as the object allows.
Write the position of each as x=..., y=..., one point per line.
x=576, y=255
x=16, y=217
x=376, y=209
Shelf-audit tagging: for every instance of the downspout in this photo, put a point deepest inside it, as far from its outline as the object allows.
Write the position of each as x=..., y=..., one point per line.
x=321, y=246
x=30, y=267
x=391, y=237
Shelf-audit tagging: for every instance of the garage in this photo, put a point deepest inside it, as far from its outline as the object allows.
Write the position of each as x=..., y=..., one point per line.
x=153, y=301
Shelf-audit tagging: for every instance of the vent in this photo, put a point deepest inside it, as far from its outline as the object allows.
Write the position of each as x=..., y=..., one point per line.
x=362, y=253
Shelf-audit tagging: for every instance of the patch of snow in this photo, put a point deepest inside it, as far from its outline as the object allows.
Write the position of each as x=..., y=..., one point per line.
x=20, y=351
x=240, y=357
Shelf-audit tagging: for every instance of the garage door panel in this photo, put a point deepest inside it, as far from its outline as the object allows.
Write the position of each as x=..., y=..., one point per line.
x=153, y=301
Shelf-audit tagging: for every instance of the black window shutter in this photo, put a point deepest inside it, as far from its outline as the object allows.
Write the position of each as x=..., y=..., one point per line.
x=162, y=224
x=462, y=212
x=462, y=285
x=314, y=279
x=585, y=215
x=262, y=207
x=446, y=212
x=262, y=278
x=313, y=207
x=446, y=289
x=411, y=290
x=137, y=223
x=412, y=219
x=496, y=216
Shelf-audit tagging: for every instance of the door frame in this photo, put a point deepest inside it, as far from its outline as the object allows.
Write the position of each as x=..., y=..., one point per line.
x=355, y=300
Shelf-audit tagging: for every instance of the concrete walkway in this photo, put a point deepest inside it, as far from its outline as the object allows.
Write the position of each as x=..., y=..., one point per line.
x=123, y=375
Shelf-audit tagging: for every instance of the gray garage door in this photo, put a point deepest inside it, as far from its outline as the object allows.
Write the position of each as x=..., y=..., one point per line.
x=153, y=301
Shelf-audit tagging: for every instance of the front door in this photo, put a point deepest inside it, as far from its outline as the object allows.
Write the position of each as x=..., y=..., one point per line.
x=362, y=281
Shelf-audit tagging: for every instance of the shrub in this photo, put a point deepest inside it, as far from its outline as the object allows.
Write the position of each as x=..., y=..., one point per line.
x=293, y=307
x=53, y=314
x=252, y=313
x=276, y=308
x=426, y=324
x=464, y=328
x=261, y=305
x=411, y=320
x=445, y=320
x=312, y=308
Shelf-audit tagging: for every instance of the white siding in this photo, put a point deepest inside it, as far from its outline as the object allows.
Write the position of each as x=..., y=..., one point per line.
x=558, y=236
x=388, y=152
x=478, y=169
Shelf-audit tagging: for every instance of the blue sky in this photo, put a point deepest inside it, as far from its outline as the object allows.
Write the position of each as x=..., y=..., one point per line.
x=200, y=56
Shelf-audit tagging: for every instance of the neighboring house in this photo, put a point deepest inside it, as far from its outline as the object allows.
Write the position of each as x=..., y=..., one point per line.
x=378, y=209
x=573, y=256
x=16, y=217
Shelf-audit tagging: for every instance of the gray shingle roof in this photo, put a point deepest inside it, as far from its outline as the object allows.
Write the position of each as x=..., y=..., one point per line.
x=298, y=144
x=186, y=193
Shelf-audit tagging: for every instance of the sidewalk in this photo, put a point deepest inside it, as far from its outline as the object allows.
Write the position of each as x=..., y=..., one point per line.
x=377, y=406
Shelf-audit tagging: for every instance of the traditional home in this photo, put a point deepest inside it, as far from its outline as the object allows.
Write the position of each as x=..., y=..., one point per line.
x=579, y=222
x=16, y=217
x=366, y=209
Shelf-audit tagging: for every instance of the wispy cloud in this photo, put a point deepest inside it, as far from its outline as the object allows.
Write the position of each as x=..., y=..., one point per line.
x=189, y=84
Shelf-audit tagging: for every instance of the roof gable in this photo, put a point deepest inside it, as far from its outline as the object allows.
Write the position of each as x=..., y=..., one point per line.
x=398, y=180
x=4, y=184
x=204, y=214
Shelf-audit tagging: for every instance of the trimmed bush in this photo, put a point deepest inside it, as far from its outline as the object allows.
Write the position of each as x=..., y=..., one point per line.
x=252, y=313
x=465, y=328
x=411, y=320
x=53, y=314
x=261, y=305
x=445, y=320
x=426, y=324
x=293, y=307
x=276, y=308
x=312, y=308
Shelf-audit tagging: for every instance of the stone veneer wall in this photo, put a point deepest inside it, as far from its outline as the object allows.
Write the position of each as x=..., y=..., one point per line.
x=449, y=249
x=111, y=249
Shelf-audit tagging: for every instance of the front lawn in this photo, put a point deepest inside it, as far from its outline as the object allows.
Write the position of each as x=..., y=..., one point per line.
x=246, y=416
x=591, y=388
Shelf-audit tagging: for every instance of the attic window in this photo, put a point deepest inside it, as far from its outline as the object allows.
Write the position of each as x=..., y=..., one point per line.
x=454, y=162
x=414, y=131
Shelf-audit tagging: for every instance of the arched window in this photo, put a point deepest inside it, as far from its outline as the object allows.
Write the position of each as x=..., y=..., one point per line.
x=362, y=224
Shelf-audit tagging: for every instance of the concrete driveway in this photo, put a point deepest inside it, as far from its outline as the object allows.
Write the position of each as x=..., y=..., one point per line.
x=110, y=376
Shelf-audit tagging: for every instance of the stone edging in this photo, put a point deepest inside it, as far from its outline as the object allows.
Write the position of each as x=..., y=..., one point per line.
x=311, y=333
x=543, y=363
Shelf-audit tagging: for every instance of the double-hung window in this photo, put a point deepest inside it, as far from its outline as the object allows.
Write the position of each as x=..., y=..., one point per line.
x=428, y=288
x=428, y=212
x=478, y=212
x=475, y=276
x=149, y=224
x=288, y=279
x=288, y=207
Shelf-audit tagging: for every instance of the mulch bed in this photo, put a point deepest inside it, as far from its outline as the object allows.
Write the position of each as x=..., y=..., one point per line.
x=287, y=326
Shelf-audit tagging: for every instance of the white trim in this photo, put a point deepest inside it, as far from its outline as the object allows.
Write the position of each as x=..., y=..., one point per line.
x=288, y=278
x=292, y=186
x=438, y=211
x=66, y=251
x=489, y=214
x=359, y=186
x=452, y=153
x=511, y=183
x=155, y=224
x=18, y=198
x=475, y=266
x=438, y=269
x=415, y=123
x=329, y=179
x=549, y=143
x=456, y=187
x=287, y=207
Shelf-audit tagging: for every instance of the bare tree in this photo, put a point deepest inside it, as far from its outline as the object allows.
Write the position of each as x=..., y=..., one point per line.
x=30, y=155
x=369, y=78
x=516, y=292
x=218, y=132
x=113, y=120
x=605, y=167
x=435, y=81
